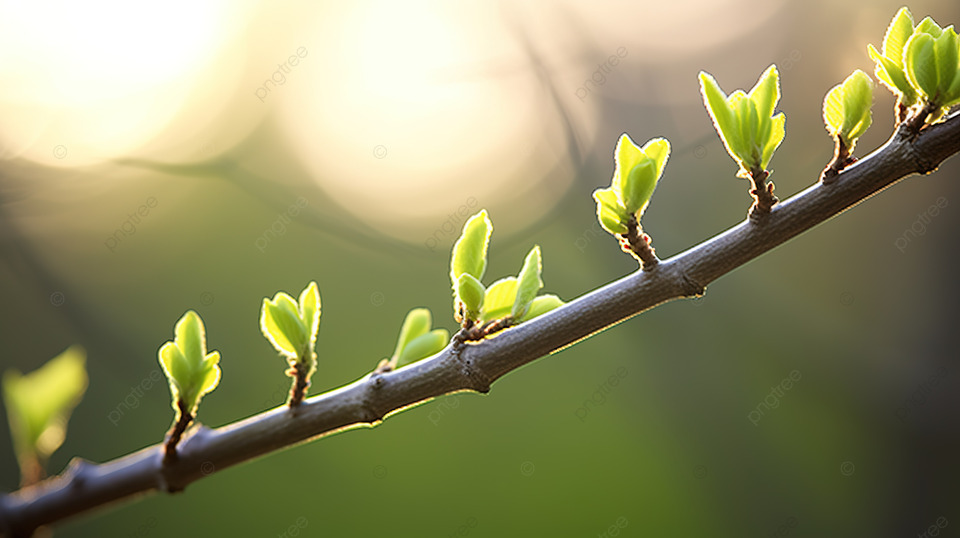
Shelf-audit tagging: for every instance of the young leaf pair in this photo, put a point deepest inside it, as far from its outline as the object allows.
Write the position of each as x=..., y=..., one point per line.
x=292, y=326
x=513, y=299
x=636, y=173
x=920, y=64
x=749, y=130
x=745, y=121
x=191, y=372
x=847, y=115
x=416, y=341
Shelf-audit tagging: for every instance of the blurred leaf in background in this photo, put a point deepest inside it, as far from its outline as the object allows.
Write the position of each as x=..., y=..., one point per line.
x=39, y=405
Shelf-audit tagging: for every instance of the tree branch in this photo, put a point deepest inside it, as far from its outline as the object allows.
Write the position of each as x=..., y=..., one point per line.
x=367, y=401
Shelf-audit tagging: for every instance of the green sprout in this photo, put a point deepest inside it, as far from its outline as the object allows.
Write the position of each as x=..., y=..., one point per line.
x=749, y=130
x=921, y=66
x=846, y=114
x=191, y=372
x=470, y=293
x=470, y=250
x=620, y=206
x=503, y=299
x=930, y=59
x=291, y=327
x=469, y=257
x=479, y=310
x=38, y=408
x=416, y=341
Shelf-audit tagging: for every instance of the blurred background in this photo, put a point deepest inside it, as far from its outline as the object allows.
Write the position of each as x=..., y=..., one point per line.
x=206, y=155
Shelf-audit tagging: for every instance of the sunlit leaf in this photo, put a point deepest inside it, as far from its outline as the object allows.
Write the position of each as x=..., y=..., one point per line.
x=470, y=251
x=638, y=186
x=281, y=324
x=541, y=305
x=499, y=299
x=743, y=120
x=423, y=346
x=416, y=324
x=777, y=133
x=920, y=64
x=190, y=370
x=766, y=93
x=927, y=26
x=945, y=49
x=309, y=303
x=610, y=212
x=899, y=31
x=657, y=149
x=721, y=112
x=528, y=283
x=626, y=156
x=846, y=108
x=893, y=77
x=470, y=293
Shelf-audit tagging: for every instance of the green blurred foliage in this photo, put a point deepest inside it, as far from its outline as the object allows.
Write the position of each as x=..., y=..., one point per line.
x=39, y=405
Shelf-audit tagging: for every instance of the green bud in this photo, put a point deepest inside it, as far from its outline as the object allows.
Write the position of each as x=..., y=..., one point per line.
x=744, y=121
x=846, y=108
x=470, y=294
x=636, y=174
x=190, y=370
x=292, y=327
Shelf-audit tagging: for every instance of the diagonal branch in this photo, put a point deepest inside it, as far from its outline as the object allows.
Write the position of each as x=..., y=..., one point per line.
x=85, y=486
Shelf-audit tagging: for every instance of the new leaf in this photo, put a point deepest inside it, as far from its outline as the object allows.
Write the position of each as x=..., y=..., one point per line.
x=416, y=340
x=744, y=121
x=637, y=170
x=470, y=251
x=890, y=64
x=846, y=108
x=292, y=326
x=528, y=283
x=190, y=370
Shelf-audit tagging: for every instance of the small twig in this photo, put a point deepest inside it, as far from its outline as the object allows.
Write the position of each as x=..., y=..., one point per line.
x=384, y=366
x=300, y=371
x=471, y=332
x=762, y=192
x=637, y=244
x=915, y=123
x=176, y=432
x=902, y=111
x=31, y=470
x=841, y=159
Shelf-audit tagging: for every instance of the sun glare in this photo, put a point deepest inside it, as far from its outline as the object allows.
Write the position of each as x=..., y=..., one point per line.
x=403, y=125
x=85, y=81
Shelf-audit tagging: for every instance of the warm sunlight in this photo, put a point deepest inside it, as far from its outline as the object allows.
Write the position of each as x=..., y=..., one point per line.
x=85, y=81
x=411, y=123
